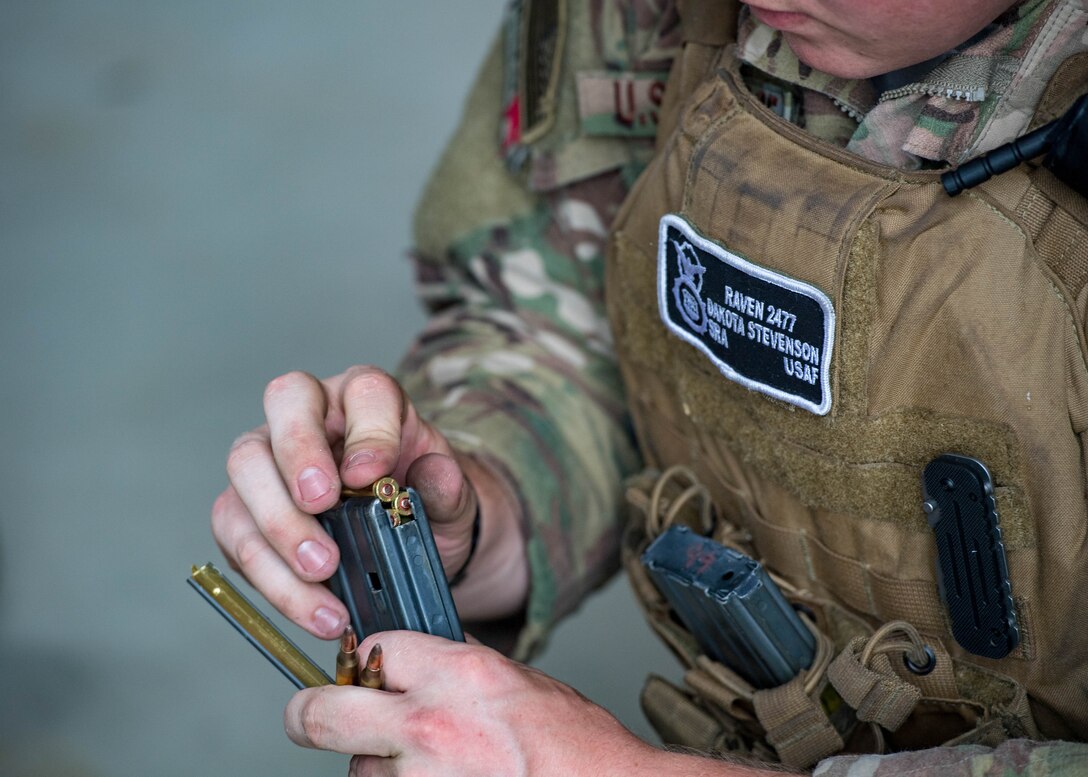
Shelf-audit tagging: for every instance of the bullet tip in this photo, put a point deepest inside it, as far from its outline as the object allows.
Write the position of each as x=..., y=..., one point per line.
x=348, y=641
x=374, y=660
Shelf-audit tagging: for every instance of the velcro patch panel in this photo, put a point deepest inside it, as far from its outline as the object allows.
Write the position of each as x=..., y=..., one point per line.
x=766, y=331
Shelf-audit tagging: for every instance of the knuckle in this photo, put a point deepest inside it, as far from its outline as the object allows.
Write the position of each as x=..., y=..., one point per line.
x=362, y=369
x=367, y=381
x=274, y=534
x=382, y=441
x=433, y=730
x=288, y=383
x=234, y=564
x=243, y=450
x=298, y=434
x=483, y=669
x=286, y=603
x=278, y=533
x=221, y=513
x=250, y=549
x=223, y=501
x=225, y=551
x=374, y=405
x=313, y=718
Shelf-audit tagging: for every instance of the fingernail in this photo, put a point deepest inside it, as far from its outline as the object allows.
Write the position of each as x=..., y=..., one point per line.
x=313, y=484
x=359, y=458
x=312, y=556
x=327, y=622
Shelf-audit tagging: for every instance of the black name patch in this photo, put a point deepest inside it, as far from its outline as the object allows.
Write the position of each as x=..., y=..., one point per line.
x=766, y=331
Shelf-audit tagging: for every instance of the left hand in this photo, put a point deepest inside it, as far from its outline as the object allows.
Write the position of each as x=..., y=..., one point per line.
x=456, y=709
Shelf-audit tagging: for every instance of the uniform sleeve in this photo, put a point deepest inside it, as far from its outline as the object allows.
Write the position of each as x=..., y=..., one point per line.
x=516, y=364
x=1015, y=758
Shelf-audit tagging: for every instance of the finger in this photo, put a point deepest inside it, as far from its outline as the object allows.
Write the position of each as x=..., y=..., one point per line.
x=451, y=504
x=373, y=404
x=296, y=406
x=412, y=660
x=310, y=605
x=443, y=487
x=227, y=511
x=345, y=719
x=295, y=535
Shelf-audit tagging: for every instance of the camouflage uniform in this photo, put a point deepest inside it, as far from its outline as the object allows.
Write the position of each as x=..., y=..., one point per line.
x=511, y=253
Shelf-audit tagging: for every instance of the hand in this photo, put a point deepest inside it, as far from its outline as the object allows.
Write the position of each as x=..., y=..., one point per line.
x=350, y=430
x=456, y=709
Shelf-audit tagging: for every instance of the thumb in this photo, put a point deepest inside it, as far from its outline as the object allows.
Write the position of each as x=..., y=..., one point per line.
x=451, y=503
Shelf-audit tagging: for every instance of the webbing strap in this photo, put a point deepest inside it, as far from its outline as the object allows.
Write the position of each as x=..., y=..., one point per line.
x=940, y=683
x=1056, y=217
x=796, y=725
x=801, y=556
x=875, y=691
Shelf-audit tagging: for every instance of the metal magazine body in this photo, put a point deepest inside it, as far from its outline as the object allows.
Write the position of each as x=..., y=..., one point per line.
x=390, y=574
x=728, y=602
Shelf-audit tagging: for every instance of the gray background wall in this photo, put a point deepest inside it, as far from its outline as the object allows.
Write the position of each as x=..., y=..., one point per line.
x=195, y=197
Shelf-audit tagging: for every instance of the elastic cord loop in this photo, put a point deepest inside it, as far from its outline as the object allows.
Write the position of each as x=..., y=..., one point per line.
x=459, y=575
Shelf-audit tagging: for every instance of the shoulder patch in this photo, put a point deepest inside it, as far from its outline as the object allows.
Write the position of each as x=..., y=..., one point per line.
x=764, y=330
x=534, y=33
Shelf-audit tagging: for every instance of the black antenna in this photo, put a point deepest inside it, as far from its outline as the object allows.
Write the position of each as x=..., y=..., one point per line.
x=1060, y=133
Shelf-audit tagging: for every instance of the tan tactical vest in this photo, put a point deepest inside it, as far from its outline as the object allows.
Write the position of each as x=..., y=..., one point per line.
x=952, y=325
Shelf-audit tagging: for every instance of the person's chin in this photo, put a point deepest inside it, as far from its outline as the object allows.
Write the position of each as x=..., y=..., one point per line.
x=833, y=60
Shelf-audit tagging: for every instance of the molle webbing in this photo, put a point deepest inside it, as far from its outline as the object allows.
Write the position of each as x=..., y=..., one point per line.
x=1060, y=234
x=1053, y=216
x=718, y=710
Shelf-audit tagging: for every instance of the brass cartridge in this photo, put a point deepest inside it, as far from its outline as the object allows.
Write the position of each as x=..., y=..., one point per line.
x=372, y=675
x=402, y=504
x=385, y=489
x=347, y=660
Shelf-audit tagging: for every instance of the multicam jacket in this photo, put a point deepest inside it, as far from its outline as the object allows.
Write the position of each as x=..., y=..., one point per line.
x=516, y=364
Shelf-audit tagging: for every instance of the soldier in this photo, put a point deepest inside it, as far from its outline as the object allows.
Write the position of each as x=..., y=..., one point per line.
x=796, y=312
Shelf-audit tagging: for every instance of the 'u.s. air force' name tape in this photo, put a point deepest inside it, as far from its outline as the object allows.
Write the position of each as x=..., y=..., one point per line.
x=764, y=330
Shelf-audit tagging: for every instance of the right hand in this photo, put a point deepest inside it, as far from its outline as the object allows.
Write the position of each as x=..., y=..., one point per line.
x=350, y=430
x=454, y=709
